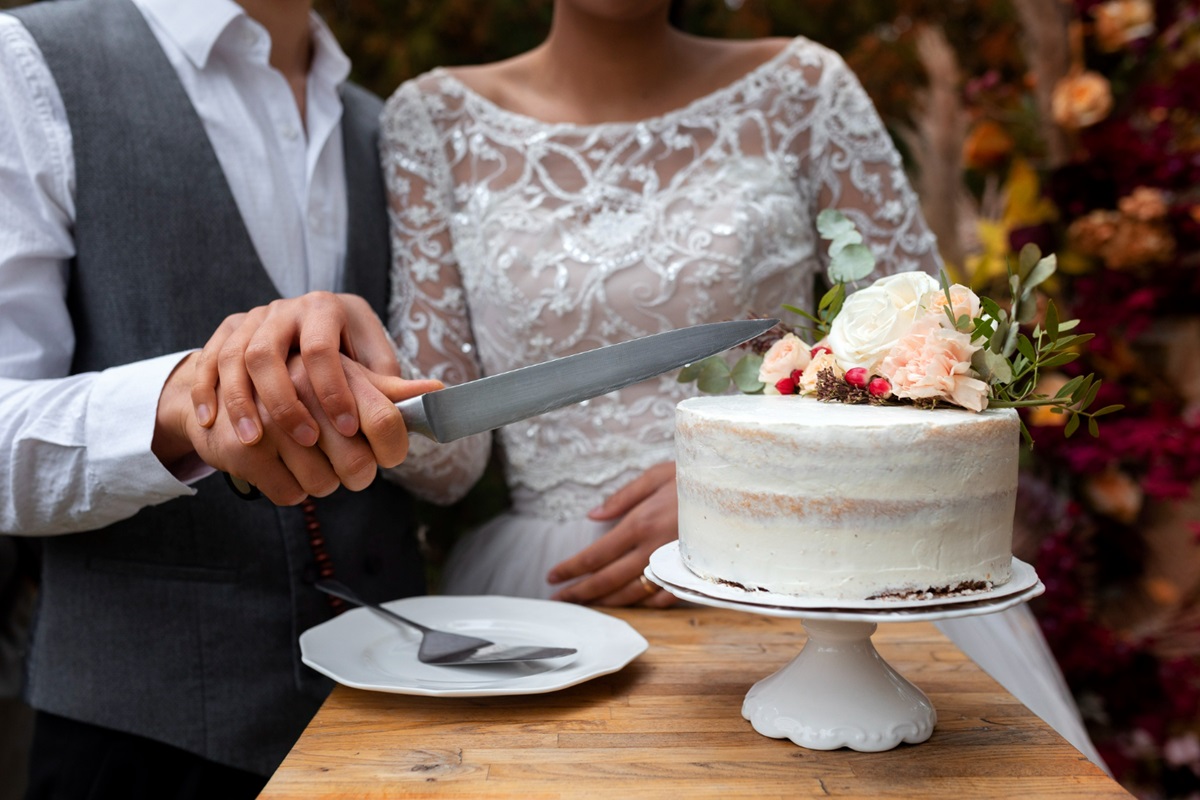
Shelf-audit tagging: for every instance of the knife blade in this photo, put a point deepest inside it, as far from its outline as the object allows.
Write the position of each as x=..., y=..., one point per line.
x=498, y=400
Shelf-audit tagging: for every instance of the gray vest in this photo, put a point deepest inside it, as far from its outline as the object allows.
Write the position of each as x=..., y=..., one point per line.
x=181, y=623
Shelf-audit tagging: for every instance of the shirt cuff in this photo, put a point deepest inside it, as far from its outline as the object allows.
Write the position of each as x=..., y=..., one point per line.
x=121, y=415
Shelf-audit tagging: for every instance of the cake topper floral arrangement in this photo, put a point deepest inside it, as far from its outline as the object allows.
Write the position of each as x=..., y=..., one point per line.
x=910, y=339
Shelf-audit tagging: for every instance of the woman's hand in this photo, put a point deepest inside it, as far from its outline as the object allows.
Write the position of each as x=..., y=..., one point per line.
x=648, y=509
x=248, y=355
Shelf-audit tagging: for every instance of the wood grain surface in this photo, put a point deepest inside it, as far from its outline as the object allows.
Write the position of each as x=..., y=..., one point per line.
x=669, y=725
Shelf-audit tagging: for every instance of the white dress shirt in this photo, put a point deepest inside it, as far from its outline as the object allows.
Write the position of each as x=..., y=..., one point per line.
x=75, y=450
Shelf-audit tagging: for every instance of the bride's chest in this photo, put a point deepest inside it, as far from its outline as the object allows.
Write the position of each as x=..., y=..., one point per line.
x=603, y=248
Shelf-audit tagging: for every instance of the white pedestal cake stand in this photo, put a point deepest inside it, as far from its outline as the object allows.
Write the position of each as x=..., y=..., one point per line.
x=838, y=691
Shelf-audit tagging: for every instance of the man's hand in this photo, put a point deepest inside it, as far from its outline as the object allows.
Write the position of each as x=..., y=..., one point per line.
x=648, y=509
x=282, y=469
x=248, y=357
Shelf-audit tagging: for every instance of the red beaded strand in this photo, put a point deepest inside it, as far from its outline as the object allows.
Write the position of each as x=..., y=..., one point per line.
x=320, y=554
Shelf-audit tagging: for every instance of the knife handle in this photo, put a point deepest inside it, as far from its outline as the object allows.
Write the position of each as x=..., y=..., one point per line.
x=413, y=412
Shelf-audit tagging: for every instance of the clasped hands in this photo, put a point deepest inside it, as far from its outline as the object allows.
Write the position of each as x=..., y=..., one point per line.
x=298, y=398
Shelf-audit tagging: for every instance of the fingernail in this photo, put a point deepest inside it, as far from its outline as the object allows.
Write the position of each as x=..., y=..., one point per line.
x=346, y=424
x=305, y=434
x=204, y=414
x=246, y=431
x=553, y=578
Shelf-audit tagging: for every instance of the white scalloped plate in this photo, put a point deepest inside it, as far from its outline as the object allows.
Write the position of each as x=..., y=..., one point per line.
x=668, y=567
x=361, y=650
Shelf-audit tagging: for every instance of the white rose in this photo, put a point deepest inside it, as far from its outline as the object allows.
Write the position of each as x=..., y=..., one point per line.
x=873, y=319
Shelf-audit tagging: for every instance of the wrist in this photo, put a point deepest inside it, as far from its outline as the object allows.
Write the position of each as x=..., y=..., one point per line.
x=171, y=442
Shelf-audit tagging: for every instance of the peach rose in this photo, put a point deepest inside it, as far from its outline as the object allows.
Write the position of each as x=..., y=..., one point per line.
x=934, y=363
x=1081, y=99
x=874, y=318
x=823, y=360
x=787, y=354
x=963, y=302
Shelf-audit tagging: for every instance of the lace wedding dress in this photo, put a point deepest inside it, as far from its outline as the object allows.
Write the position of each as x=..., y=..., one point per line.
x=517, y=241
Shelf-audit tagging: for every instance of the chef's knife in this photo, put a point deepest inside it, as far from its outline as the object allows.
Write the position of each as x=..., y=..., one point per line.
x=497, y=400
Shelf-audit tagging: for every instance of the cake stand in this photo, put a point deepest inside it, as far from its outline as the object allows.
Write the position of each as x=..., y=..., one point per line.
x=838, y=691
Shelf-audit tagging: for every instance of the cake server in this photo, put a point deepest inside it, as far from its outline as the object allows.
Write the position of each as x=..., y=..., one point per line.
x=498, y=400
x=449, y=649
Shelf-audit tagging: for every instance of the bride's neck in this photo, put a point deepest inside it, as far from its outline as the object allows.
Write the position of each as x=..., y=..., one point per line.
x=615, y=67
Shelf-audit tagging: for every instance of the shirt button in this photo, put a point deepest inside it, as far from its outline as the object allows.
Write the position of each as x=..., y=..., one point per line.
x=290, y=132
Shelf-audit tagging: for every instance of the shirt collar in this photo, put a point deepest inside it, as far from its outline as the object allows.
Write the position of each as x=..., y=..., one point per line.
x=194, y=25
x=197, y=25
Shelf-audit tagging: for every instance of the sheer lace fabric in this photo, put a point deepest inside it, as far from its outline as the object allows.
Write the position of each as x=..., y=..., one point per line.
x=518, y=241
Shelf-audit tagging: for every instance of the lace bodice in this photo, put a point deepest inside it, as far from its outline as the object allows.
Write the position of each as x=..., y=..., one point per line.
x=517, y=241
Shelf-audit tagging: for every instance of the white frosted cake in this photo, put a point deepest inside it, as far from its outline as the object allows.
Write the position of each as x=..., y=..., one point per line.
x=801, y=497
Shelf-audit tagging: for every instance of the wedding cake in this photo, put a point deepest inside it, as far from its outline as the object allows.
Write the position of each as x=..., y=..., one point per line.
x=797, y=496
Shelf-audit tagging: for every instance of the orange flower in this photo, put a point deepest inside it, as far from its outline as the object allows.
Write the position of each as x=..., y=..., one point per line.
x=1119, y=22
x=1042, y=416
x=987, y=146
x=1081, y=99
x=1115, y=494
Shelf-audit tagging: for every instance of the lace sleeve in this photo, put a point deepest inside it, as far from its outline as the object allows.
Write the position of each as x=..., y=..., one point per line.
x=858, y=170
x=427, y=315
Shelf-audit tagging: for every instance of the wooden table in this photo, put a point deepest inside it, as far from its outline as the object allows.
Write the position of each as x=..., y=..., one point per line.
x=669, y=725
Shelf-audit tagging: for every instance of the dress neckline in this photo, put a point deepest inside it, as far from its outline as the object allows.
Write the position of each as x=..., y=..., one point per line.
x=518, y=119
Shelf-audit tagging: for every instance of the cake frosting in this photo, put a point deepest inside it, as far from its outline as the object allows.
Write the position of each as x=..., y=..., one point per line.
x=801, y=497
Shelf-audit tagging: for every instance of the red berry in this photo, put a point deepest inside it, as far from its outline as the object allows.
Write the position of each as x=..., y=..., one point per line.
x=857, y=376
x=785, y=386
x=879, y=387
x=816, y=351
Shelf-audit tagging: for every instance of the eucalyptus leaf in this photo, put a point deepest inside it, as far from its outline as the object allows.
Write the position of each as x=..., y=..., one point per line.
x=1027, y=259
x=1026, y=310
x=853, y=263
x=1044, y=269
x=992, y=367
x=1107, y=410
x=1000, y=336
x=1091, y=396
x=745, y=373
x=844, y=240
x=832, y=222
x=690, y=372
x=1093, y=427
x=714, y=375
